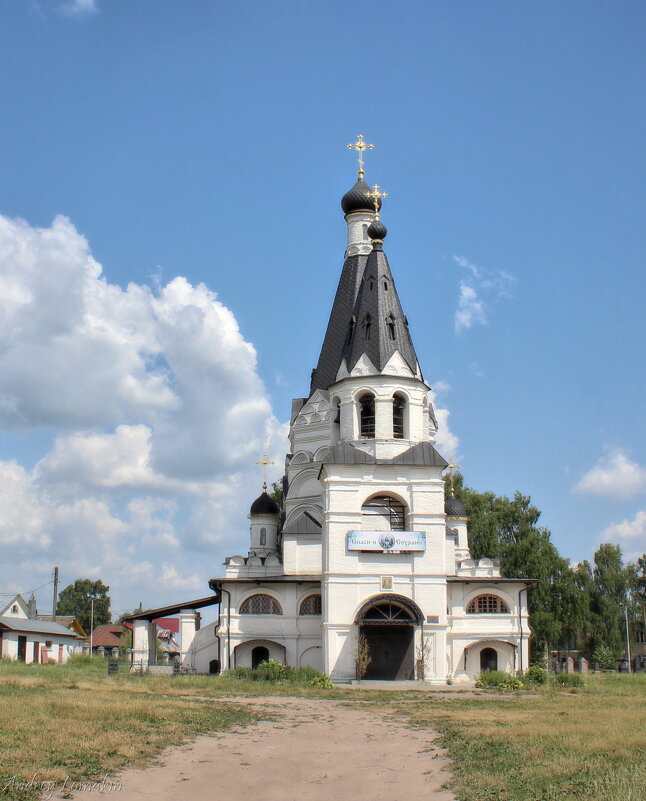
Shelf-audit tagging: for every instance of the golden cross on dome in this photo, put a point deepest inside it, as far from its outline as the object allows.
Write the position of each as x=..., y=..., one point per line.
x=452, y=466
x=376, y=195
x=360, y=146
x=265, y=461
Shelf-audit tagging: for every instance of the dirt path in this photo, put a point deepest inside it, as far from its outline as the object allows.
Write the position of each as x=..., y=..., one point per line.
x=320, y=750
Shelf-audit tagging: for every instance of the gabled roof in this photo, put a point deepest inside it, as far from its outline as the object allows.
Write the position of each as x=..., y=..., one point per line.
x=109, y=635
x=36, y=627
x=305, y=523
x=421, y=454
x=17, y=599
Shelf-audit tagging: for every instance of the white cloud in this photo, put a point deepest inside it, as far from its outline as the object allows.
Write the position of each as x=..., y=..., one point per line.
x=470, y=309
x=445, y=440
x=78, y=8
x=630, y=534
x=159, y=415
x=615, y=475
x=482, y=289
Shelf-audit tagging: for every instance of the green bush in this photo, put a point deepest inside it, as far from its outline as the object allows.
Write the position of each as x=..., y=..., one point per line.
x=569, y=680
x=244, y=673
x=536, y=675
x=499, y=679
x=302, y=675
x=319, y=681
x=271, y=671
x=604, y=657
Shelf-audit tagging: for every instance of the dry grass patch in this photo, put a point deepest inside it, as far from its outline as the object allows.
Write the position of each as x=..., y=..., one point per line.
x=553, y=745
x=56, y=727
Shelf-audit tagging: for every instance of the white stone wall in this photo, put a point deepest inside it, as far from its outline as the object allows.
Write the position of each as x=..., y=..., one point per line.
x=294, y=634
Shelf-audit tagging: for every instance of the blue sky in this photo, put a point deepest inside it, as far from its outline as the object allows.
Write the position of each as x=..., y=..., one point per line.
x=207, y=140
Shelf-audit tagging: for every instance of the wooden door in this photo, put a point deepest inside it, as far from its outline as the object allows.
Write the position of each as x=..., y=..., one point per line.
x=391, y=652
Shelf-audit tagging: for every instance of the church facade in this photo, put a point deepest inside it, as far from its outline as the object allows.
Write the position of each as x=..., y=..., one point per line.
x=372, y=564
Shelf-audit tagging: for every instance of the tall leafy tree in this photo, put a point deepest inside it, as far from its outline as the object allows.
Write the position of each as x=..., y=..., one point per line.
x=76, y=599
x=507, y=529
x=610, y=582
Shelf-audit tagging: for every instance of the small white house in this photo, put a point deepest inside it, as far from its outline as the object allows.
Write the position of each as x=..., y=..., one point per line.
x=27, y=639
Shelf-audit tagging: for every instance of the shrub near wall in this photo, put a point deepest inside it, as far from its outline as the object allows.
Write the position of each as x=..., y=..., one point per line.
x=500, y=680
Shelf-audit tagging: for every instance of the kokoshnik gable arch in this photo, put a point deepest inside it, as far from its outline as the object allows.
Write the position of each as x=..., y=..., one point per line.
x=370, y=551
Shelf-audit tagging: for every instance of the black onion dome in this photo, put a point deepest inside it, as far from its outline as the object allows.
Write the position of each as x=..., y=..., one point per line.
x=377, y=230
x=264, y=505
x=358, y=199
x=453, y=507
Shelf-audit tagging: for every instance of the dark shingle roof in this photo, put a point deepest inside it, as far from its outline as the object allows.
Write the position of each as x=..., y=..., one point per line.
x=264, y=505
x=454, y=508
x=338, y=326
x=358, y=199
x=423, y=454
x=366, y=317
x=305, y=523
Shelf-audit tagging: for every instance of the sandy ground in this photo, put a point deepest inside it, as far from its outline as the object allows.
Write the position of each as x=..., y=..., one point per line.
x=318, y=750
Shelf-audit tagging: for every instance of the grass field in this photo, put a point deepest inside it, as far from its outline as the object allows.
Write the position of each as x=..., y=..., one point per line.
x=565, y=745
x=74, y=721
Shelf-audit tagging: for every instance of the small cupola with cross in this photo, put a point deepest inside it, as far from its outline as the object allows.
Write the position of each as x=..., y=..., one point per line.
x=264, y=515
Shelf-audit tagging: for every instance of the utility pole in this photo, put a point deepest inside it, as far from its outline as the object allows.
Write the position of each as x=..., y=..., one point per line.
x=55, y=601
x=625, y=606
x=91, y=624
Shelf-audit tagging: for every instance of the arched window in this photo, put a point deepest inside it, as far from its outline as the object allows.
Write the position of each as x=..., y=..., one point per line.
x=263, y=536
x=353, y=322
x=388, y=613
x=367, y=324
x=383, y=513
x=311, y=605
x=260, y=605
x=390, y=326
x=367, y=416
x=399, y=406
x=487, y=605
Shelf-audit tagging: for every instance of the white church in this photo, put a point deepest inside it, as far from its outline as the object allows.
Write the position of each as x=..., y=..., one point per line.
x=370, y=552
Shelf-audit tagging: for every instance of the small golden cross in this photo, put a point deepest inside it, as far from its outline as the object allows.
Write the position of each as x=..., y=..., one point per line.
x=452, y=466
x=375, y=195
x=265, y=461
x=360, y=146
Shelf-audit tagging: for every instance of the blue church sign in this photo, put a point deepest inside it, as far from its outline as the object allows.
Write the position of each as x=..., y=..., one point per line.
x=386, y=541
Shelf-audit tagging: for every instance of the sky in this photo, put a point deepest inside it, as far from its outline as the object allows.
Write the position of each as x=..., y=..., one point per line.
x=171, y=238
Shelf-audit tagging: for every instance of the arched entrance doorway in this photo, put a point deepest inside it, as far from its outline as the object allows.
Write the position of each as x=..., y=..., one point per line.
x=488, y=659
x=259, y=654
x=388, y=625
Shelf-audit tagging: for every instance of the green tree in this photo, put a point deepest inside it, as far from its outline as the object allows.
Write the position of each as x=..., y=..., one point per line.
x=75, y=600
x=507, y=529
x=610, y=582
